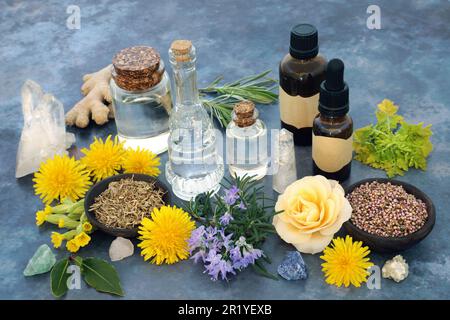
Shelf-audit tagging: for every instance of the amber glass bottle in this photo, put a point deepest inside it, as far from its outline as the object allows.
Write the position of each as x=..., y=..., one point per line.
x=332, y=127
x=302, y=71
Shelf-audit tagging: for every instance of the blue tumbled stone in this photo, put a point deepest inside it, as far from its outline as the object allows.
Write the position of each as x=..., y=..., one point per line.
x=293, y=267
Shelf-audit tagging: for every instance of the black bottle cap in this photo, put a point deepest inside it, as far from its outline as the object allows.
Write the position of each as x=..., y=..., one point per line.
x=333, y=100
x=304, y=41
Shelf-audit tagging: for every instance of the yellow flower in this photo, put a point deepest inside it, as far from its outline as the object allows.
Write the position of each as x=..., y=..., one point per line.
x=61, y=177
x=57, y=239
x=141, y=161
x=87, y=227
x=48, y=210
x=314, y=209
x=103, y=159
x=388, y=106
x=346, y=262
x=82, y=239
x=72, y=245
x=40, y=217
x=165, y=236
x=61, y=223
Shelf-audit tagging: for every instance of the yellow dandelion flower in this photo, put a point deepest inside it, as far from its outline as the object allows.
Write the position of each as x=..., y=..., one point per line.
x=59, y=178
x=103, y=159
x=72, y=246
x=61, y=223
x=82, y=239
x=164, y=237
x=57, y=239
x=141, y=161
x=40, y=217
x=346, y=262
x=87, y=227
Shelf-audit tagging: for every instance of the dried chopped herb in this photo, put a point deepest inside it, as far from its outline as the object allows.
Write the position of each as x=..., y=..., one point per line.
x=126, y=202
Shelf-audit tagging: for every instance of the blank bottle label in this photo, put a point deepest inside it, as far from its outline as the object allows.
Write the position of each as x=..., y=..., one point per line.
x=298, y=111
x=331, y=154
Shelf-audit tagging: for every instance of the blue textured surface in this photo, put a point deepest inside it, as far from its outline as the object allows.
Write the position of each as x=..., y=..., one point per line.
x=407, y=61
x=293, y=267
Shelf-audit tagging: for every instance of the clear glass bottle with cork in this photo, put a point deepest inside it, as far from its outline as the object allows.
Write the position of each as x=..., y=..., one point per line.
x=194, y=165
x=140, y=89
x=332, y=146
x=301, y=71
x=246, y=142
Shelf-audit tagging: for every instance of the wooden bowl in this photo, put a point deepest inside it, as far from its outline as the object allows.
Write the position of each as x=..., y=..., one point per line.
x=101, y=186
x=393, y=244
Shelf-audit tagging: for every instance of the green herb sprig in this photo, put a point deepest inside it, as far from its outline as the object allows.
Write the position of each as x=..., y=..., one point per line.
x=254, y=223
x=257, y=88
x=392, y=144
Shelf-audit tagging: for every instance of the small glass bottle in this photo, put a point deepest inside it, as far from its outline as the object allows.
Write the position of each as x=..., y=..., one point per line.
x=194, y=164
x=302, y=71
x=332, y=147
x=247, y=142
x=141, y=99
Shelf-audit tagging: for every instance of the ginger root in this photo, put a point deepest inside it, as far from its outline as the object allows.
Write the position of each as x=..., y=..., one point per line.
x=97, y=92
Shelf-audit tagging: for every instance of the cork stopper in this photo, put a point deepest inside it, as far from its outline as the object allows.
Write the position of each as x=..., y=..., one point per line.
x=137, y=68
x=181, y=50
x=244, y=113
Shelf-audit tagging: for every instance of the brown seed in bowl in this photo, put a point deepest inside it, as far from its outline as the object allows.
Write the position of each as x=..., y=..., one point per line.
x=386, y=210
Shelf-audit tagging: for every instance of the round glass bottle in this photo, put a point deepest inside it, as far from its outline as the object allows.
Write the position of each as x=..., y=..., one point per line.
x=247, y=142
x=140, y=89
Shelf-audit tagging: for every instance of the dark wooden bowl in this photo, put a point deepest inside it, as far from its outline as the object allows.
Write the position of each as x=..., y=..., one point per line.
x=101, y=186
x=393, y=244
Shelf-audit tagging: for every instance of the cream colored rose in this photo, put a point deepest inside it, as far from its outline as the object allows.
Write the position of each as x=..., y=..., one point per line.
x=314, y=209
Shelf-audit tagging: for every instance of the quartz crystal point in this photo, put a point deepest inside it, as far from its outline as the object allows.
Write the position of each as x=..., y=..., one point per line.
x=41, y=262
x=44, y=130
x=285, y=171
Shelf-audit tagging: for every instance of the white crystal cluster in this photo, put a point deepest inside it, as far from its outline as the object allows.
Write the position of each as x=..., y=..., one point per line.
x=44, y=130
x=395, y=269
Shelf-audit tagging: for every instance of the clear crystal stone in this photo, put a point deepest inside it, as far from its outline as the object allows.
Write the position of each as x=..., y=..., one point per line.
x=286, y=169
x=44, y=130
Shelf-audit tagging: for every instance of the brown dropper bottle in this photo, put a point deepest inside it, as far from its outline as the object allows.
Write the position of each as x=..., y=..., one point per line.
x=302, y=71
x=332, y=128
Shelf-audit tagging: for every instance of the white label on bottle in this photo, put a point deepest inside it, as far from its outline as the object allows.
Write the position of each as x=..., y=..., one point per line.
x=331, y=154
x=298, y=111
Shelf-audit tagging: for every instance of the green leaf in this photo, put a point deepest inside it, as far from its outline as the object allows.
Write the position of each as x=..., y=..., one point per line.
x=392, y=144
x=102, y=276
x=58, y=278
x=261, y=270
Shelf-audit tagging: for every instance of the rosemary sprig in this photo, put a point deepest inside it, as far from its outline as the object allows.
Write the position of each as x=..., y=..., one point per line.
x=254, y=223
x=257, y=88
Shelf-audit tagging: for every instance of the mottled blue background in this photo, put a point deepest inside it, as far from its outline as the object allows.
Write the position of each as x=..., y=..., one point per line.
x=407, y=61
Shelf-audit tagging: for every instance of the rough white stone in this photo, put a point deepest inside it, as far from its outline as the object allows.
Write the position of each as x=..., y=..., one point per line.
x=120, y=249
x=44, y=130
x=395, y=269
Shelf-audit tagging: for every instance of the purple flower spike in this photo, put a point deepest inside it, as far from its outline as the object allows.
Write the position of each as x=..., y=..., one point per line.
x=231, y=195
x=226, y=218
x=196, y=239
